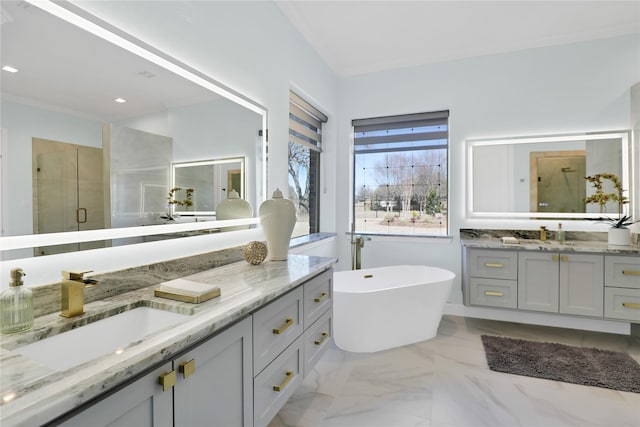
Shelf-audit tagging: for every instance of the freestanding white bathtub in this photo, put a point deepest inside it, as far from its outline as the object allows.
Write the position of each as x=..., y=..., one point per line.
x=385, y=307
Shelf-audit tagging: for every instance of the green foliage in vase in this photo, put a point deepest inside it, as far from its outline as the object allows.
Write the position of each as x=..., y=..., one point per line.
x=187, y=200
x=601, y=198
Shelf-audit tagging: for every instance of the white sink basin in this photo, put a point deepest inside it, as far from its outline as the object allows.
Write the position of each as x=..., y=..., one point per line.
x=109, y=335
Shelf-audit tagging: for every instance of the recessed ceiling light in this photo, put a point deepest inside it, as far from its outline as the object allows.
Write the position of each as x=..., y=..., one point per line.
x=120, y=100
x=10, y=69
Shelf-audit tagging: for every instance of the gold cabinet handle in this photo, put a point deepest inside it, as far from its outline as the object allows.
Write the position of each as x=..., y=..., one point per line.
x=631, y=272
x=167, y=380
x=493, y=293
x=284, y=383
x=493, y=264
x=564, y=258
x=188, y=368
x=555, y=257
x=321, y=340
x=84, y=211
x=323, y=296
x=631, y=305
x=284, y=327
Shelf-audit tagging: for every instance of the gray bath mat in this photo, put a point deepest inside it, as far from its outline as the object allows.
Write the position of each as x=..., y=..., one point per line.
x=577, y=365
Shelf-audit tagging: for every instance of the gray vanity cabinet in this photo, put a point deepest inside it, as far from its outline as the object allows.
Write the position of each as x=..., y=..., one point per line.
x=561, y=283
x=538, y=281
x=211, y=385
x=215, y=382
x=553, y=282
x=289, y=336
x=622, y=287
x=581, y=279
x=492, y=278
x=240, y=377
x=141, y=404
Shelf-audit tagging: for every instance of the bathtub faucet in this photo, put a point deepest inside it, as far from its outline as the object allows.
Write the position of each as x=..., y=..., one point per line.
x=356, y=256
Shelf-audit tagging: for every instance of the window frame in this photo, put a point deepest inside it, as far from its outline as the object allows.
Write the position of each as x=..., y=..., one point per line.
x=378, y=146
x=305, y=129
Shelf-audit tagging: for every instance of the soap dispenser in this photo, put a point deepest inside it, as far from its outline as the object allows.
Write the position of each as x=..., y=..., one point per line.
x=560, y=233
x=16, y=305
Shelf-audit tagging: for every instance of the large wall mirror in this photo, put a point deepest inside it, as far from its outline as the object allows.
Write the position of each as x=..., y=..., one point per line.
x=544, y=176
x=91, y=131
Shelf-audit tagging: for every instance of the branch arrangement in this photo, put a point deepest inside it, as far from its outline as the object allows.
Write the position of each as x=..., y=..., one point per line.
x=601, y=198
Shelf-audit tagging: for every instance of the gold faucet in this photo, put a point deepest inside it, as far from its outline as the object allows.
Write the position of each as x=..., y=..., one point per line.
x=73, y=284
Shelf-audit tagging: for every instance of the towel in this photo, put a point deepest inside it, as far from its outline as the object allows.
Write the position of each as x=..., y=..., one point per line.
x=186, y=287
x=508, y=240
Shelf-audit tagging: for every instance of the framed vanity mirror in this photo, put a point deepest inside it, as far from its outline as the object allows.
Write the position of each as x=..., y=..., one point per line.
x=544, y=176
x=91, y=146
x=204, y=184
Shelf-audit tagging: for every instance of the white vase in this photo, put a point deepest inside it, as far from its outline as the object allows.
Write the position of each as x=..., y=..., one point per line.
x=277, y=218
x=619, y=236
x=233, y=207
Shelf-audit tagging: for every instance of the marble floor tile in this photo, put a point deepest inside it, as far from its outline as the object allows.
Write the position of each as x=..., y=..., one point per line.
x=445, y=382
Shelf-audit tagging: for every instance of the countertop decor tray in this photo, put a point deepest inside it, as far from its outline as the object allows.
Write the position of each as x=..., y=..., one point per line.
x=187, y=291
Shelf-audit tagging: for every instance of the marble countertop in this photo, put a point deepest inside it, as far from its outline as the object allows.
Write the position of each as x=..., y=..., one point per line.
x=33, y=394
x=578, y=246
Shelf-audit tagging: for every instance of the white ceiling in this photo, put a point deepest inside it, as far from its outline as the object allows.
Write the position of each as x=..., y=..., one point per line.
x=353, y=37
x=357, y=37
x=66, y=69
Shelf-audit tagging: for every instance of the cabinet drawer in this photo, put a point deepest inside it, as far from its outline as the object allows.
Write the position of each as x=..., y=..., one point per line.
x=316, y=340
x=275, y=327
x=622, y=303
x=285, y=374
x=318, y=297
x=622, y=271
x=493, y=264
x=493, y=292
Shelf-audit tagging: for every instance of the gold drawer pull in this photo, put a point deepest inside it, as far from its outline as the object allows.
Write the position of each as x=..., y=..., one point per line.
x=188, y=368
x=284, y=327
x=555, y=257
x=324, y=337
x=284, y=383
x=631, y=305
x=631, y=272
x=493, y=293
x=322, y=297
x=84, y=211
x=493, y=264
x=167, y=380
x=564, y=258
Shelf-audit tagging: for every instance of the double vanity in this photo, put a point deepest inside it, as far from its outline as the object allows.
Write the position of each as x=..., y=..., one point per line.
x=136, y=359
x=580, y=277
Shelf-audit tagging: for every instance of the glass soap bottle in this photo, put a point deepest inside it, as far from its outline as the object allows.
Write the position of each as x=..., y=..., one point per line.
x=560, y=233
x=16, y=305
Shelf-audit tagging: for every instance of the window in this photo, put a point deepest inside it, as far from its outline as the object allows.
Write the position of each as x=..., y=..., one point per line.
x=400, y=174
x=305, y=146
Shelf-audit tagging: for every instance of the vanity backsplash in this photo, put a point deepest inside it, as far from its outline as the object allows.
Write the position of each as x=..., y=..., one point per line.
x=47, y=298
x=583, y=236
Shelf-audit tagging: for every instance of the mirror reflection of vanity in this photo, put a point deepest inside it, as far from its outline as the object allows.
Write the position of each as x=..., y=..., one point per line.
x=544, y=176
x=59, y=104
x=211, y=181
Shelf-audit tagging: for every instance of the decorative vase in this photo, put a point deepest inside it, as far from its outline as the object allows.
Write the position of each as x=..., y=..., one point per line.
x=277, y=218
x=619, y=236
x=233, y=207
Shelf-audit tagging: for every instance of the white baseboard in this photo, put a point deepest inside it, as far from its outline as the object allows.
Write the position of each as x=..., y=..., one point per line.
x=543, y=319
